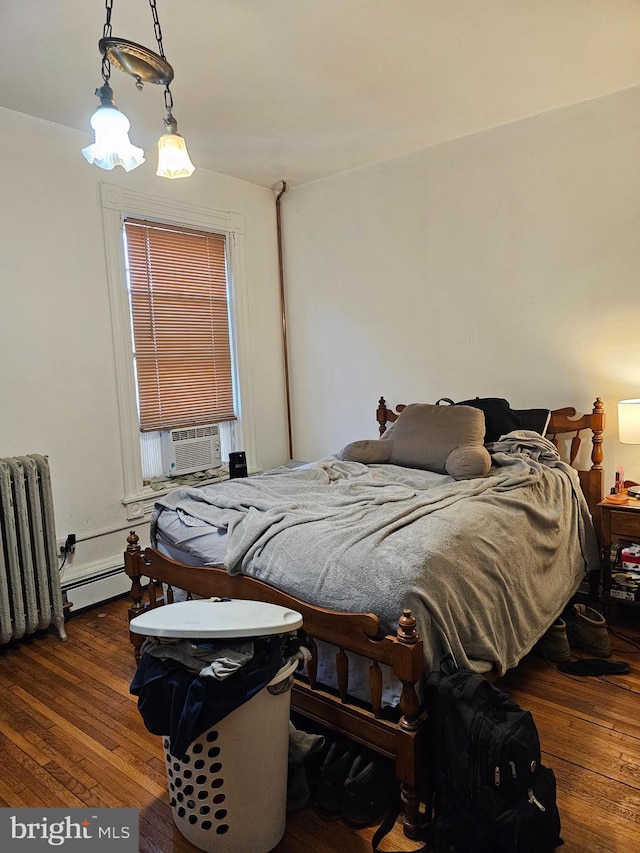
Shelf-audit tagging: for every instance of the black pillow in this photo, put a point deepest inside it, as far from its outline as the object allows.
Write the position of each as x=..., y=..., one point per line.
x=499, y=417
x=535, y=419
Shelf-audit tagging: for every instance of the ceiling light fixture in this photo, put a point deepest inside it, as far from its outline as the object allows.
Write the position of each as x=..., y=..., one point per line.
x=112, y=146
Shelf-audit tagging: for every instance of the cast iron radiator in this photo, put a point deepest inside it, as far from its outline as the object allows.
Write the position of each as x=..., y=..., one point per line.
x=30, y=592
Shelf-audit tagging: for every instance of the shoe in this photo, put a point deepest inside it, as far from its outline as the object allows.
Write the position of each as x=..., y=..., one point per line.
x=588, y=630
x=334, y=771
x=369, y=790
x=588, y=666
x=554, y=644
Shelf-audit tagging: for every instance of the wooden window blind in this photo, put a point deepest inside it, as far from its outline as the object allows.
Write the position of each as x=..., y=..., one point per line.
x=178, y=293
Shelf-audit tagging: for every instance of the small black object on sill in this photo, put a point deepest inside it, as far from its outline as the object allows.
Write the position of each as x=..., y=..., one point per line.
x=237, y=464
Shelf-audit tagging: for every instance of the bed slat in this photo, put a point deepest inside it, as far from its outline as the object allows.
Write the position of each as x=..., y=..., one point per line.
x=342, y=671
x=375, y=686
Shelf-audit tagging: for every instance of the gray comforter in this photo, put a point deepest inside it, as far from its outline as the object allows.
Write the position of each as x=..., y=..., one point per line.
x=485, y=565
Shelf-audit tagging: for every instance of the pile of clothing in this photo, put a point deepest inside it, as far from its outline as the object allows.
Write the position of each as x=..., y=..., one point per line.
x=186, y=686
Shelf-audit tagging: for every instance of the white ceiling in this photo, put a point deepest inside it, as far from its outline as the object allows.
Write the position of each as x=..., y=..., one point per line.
x=267, y=90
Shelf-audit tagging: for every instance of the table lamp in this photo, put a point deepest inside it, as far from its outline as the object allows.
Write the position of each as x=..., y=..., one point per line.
x=629, y=429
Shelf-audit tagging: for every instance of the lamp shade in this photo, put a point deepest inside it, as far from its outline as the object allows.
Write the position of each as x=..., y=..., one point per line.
x=173, y=157
x=629, y=421
x=112, y=146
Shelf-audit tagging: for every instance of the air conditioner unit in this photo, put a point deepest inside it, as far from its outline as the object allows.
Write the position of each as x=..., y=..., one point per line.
x=190, y=449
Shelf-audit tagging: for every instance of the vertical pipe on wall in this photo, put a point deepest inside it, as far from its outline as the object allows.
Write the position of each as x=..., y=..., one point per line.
x=283, y=310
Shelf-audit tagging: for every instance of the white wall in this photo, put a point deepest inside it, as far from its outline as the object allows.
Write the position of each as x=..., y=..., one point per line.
x=57, y=381
x=502, y=264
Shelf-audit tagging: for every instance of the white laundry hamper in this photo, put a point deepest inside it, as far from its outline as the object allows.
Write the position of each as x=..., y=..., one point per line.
x=228, y=794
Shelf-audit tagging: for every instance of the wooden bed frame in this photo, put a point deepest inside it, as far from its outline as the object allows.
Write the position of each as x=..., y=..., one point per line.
x=401, y=735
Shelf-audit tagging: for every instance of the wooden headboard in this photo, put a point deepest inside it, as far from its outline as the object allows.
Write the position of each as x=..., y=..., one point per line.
x=563, y=425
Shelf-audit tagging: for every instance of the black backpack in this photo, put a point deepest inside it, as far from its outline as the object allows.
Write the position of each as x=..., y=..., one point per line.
x=488, y=790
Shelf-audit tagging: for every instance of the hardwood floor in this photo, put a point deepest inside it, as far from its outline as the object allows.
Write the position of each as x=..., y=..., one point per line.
x=71, y=735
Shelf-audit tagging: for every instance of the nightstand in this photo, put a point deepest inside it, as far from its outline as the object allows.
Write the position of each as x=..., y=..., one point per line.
x=618, y=523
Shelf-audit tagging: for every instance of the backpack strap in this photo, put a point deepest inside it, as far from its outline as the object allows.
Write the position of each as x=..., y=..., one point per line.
x=470, y=687
x=385, y=828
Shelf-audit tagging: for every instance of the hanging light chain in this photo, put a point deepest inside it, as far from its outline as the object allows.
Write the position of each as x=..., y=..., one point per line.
x=106, y=33
x=168, y=100
x=168, y=97
x=157, y=28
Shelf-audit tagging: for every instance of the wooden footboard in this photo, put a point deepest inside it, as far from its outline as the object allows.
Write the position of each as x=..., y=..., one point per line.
x=398, y=736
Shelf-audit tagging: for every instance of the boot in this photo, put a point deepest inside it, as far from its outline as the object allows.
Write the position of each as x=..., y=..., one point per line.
x=369, y=790
x=334, y=771
x=553, y=644
x=588, y=630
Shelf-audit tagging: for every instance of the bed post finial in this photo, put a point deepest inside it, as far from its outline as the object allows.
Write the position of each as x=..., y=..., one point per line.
x=133, y=542
x=407, y=627
x=381, y=415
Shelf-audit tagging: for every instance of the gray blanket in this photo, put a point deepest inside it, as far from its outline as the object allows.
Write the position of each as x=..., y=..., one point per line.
x=485, y=565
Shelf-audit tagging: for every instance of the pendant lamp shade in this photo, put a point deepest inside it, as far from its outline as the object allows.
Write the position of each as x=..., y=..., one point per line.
x=173, y=157
x=112, y=146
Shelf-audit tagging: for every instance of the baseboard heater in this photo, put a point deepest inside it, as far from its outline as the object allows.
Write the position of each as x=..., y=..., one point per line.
x=97, y=589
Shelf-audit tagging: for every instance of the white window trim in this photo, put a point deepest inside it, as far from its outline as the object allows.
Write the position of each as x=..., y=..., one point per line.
x=118, y=203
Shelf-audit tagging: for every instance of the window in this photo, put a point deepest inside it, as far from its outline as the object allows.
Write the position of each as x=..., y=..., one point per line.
x=180, y=318
x=120, y=204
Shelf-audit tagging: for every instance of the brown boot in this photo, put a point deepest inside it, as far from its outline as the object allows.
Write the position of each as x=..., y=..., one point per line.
x=588, y=631
x=553, y=644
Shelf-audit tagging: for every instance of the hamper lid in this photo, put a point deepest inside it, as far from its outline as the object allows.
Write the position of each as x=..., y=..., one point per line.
x=213, y=618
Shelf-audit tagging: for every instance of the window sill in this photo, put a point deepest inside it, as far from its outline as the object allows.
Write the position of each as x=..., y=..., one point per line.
x=139, y=507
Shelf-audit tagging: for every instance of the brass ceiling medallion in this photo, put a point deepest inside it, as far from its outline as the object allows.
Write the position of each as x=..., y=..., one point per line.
x=136, y=60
